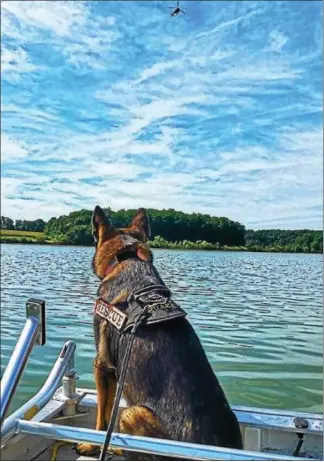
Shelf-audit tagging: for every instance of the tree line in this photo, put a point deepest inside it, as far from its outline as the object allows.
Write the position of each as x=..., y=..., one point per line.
x=170, y=224
x=174, y=229
x=23, y=225
x=301, y=240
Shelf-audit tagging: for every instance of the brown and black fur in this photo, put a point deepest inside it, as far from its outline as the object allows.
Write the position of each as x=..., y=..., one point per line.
x=170, y=387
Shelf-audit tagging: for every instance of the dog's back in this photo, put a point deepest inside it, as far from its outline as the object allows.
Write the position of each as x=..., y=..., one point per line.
x=169, y=373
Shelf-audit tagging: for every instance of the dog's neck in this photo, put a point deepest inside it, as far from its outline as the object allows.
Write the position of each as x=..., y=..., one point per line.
x=125, y=277
x=118, y=259
x=138, y=251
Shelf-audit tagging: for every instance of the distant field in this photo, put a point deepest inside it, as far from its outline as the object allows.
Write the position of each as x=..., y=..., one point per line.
x=13, y=235
x=13, y=232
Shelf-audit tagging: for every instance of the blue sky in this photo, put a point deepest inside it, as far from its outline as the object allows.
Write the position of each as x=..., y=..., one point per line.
x=217, y=111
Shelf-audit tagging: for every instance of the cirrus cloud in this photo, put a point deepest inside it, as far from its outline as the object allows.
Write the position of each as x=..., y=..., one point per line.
x=218, y=111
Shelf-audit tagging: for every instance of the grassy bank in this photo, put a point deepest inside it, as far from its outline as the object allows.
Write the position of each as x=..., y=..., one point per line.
x=160, y=243
x=21, y=237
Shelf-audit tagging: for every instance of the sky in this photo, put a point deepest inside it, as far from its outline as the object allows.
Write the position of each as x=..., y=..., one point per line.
x=217, y=111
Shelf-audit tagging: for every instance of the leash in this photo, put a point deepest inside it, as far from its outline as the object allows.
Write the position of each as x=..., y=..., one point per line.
x=139, y=320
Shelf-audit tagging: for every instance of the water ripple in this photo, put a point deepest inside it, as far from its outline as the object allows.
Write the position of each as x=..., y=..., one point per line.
x=259, y=317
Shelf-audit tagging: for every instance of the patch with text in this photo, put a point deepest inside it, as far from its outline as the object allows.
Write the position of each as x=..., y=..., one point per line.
x=109, y=312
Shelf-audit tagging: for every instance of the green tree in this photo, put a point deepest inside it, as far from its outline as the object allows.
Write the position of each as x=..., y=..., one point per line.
x=7, y=223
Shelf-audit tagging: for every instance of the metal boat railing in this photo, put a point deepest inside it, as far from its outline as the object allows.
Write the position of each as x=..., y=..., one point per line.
x=161, y=447
x=63, y=366
x=33, y=331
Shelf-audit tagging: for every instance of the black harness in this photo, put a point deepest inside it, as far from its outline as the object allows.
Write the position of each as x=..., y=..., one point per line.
x=156, y=302
x=148, y=306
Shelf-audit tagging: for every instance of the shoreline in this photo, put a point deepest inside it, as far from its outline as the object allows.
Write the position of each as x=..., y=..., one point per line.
x=200, y=232
x=221, y=249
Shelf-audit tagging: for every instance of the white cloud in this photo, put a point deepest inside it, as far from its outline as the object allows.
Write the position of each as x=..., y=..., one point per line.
x=68, y=26
x=9, y=185
x=277, y=40
x=260, y=73
x=11, y=150
x=15, y=61
x=156, y=70
x=27, y=113
x=303, y=142
x=61, y=18
x=228, y=24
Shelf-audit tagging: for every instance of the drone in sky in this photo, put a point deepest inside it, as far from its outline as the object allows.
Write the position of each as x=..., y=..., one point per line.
x=176, y=10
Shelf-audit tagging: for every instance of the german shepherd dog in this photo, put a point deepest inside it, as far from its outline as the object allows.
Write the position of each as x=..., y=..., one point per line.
x=170, y=388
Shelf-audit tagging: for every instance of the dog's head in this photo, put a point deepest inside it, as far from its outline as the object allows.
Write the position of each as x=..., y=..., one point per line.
x=116, y=243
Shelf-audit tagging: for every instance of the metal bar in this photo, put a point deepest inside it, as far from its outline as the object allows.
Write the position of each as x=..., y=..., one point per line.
x=36, y=308
x=28, y=410
x=259, y=419
x=269, y=419
x=279, y=412
x=146, y=445
x=17, y=364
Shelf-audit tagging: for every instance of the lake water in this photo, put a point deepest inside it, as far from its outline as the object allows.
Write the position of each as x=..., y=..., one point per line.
x=259, y=317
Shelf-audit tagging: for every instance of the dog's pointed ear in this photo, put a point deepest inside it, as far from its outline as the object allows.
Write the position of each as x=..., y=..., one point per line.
x=141, y=223
x=99, y=218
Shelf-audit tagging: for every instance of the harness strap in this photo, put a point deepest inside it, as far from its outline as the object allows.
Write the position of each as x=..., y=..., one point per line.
x=152, y=288
x=125, y=254
x=139, y=320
